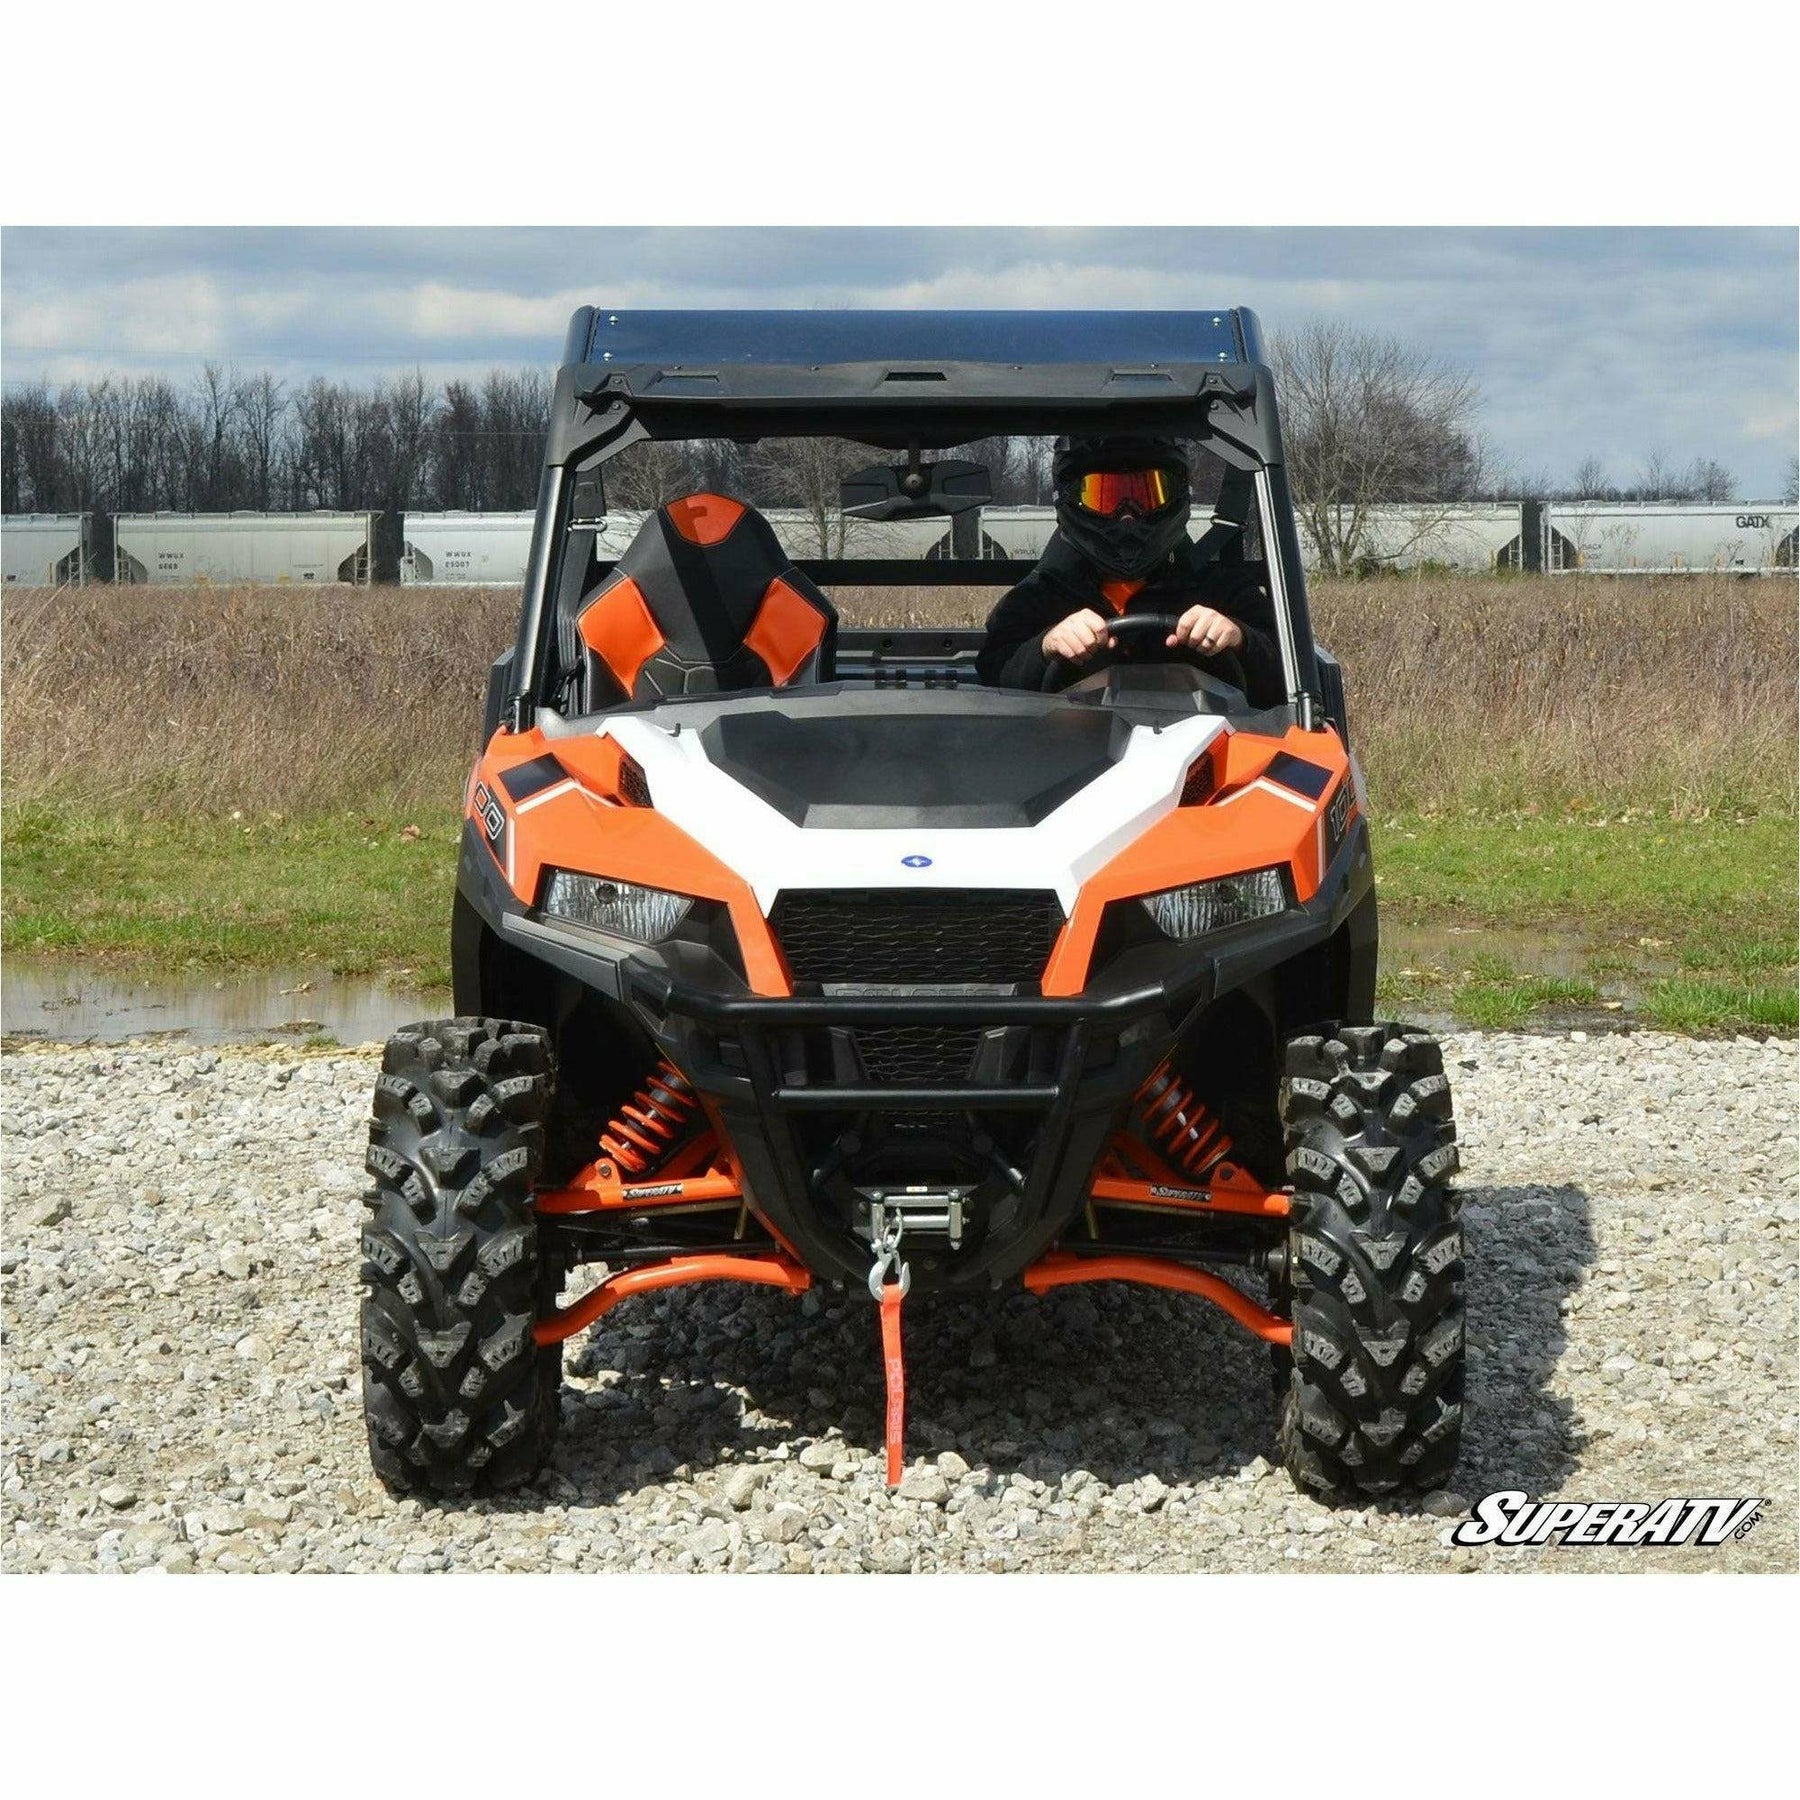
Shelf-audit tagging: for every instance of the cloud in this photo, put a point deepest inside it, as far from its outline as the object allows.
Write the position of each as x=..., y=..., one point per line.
x=168, y=315
x=1611, y=341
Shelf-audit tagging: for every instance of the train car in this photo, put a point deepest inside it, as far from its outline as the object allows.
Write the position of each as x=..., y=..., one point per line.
x=45, y=549
x=1473, y=536
x=175, y=549
x=1021, y=532
x=464, y=549
x=1664, y=537
x=473, y=549
x=804, y=535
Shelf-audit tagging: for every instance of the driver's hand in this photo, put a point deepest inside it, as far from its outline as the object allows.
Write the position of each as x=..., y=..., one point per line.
x=1078, y=637
x=1201, y=628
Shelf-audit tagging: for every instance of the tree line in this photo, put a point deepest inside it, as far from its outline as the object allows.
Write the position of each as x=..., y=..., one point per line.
x=229, y=441
x=1367, y=420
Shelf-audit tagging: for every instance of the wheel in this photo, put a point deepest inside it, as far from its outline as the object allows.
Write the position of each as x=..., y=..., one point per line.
x=456, y=1395
x=1373, y=1397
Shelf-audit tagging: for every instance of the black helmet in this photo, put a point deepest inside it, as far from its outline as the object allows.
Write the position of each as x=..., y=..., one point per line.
x=1122, y=502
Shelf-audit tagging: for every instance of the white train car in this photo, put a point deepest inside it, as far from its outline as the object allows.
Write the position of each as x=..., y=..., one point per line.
x=807, y=538
x=1019, y=533
x=1477, y=536
x=1668, y=537
x=45, y=549
x=798, y=531
x=469, y=549
x=1016, y=533
x=464, y=549
x=173, y=549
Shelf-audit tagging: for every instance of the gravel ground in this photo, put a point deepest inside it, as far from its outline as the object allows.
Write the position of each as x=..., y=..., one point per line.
x=182, y=1385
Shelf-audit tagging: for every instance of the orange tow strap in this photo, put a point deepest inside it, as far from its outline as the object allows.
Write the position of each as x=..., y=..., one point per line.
x=894, y=1360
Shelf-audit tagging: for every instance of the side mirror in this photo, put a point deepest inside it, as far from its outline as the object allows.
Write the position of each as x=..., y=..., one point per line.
x=932, y=490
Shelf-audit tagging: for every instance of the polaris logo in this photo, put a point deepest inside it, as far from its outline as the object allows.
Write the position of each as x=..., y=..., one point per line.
x=915, y=862
x=1513, y=1518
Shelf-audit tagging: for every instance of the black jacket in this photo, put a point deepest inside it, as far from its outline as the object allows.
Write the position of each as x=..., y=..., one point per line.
x=1064, y=582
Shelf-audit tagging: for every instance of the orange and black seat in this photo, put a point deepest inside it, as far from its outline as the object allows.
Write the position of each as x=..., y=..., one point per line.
x=704, y=599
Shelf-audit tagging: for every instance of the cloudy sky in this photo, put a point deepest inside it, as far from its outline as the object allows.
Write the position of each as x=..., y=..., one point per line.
x=1612, y=342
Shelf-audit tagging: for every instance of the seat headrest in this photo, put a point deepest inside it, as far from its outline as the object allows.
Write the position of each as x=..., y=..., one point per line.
x=703, y=596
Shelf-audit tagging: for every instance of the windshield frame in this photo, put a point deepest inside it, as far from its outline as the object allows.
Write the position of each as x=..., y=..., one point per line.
x=601, y=410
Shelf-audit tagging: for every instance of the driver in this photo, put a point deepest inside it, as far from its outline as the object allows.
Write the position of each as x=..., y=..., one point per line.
x=1121, y=547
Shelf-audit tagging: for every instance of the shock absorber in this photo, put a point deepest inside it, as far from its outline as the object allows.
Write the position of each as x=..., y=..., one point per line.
x=652, y=1122
x=1177, y=1123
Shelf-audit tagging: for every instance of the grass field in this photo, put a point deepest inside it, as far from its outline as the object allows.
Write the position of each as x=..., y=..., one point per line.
x=222, y=778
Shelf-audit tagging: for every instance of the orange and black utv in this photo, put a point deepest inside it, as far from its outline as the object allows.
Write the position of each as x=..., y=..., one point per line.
x=794, y=955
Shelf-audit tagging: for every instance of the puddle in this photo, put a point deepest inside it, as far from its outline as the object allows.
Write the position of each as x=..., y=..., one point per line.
x=1436, y=956
x=1558, y=954
x=46, y=998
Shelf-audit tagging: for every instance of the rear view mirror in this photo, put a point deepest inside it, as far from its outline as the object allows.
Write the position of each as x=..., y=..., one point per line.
x=948, y=486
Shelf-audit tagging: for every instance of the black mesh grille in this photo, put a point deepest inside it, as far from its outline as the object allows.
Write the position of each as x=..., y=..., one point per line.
x=914, y=1055
x=989, y=935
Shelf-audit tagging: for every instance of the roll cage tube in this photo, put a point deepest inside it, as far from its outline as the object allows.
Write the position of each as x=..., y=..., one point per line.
x=601, y=406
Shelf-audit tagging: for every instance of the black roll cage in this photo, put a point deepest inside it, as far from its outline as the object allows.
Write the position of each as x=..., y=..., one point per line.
x=602, y=406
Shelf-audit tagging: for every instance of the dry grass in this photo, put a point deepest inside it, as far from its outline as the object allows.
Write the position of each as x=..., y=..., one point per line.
x=259, y=698
x=1494, y=694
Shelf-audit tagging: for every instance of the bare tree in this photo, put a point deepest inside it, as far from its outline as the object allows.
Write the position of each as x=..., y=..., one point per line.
x=404, y=410
x=805, y=473
x=515, y=415
x=1370, y=419
x=212, y=440
x=1791, y=489
x=31, y=471
x=1709, y=481
x=1656, y=479
x=648, y=475
x=262, y=406
x=1590, y=481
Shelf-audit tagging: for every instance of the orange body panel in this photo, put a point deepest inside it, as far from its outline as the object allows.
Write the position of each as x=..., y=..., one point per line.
x=1118, y=593
x=619, y=629
x=1245, y=826
x=1242, y=827
x=587, y=829
x=704, y=518
x=785, y=631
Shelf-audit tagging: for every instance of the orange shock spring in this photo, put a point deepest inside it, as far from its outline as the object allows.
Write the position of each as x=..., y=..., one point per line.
x=1177, y=1122
x=652, y=1122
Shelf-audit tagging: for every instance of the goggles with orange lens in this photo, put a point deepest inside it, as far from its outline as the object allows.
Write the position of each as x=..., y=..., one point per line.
x=1108, y=492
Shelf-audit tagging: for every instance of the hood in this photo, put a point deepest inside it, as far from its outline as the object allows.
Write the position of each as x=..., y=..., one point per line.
x=929, y=792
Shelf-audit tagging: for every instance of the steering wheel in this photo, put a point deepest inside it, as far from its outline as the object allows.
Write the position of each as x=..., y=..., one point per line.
x=1143, y=624
x=1059, y=673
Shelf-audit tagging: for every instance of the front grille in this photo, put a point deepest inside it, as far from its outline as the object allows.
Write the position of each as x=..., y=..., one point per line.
x=858, y=936
x=917, y=1055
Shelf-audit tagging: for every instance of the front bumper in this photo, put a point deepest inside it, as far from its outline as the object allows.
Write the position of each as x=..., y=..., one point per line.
x=1088, y=1056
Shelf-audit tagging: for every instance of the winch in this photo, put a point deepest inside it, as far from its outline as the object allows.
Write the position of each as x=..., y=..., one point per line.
x=923, y=1211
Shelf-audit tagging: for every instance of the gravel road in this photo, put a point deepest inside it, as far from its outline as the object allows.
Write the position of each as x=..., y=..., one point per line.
x=182, y=1384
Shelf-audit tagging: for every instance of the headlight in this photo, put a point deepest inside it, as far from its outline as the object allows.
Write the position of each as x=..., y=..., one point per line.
x=646, y=915
x=1191, y=912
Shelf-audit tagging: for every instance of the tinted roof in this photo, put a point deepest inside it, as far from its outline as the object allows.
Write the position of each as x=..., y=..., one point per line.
x=709, y=338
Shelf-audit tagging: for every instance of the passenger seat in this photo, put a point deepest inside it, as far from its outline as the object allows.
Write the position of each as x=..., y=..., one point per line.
x=703, y=600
